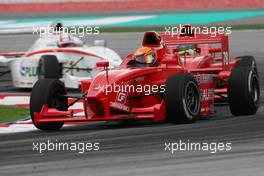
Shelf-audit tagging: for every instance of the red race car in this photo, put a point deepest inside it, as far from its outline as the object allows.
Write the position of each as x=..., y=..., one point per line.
x=174, y=78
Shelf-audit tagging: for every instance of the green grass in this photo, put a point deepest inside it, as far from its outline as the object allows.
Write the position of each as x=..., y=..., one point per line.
x=12, y=113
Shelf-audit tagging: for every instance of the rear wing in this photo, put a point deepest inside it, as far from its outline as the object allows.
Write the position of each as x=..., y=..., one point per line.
x=222, y=39
x=170, y=39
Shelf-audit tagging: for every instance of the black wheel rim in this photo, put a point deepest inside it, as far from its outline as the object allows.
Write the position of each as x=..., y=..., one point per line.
x=58, y=102
x=192, y=98
x=254, y=88
x=55, y=103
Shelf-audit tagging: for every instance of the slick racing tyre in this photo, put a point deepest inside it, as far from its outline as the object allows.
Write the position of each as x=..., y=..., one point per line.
x=49, y=67
x=247, y=61
x=243, y=91
x=183, y=100
x=47, y=91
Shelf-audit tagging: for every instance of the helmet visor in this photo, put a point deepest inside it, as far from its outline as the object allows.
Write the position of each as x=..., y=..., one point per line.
x=146, y=59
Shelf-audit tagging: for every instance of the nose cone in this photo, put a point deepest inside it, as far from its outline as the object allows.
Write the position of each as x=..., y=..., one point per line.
x=102, y=81
x=117, y=76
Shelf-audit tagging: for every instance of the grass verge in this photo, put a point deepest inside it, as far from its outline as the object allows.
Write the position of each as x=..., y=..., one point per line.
x=12, y=113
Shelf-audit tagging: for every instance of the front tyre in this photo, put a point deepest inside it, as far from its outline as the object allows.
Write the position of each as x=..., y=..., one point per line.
x=243, y=91
x=183, y=100
x=47, y=91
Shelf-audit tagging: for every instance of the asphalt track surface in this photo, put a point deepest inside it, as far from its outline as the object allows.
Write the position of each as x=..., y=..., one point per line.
x=139, y=149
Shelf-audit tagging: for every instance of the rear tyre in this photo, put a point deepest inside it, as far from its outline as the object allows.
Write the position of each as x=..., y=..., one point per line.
x=47, y=91
x=247, y=61
x=243, y=91
x=183, y=100
x=49, y=67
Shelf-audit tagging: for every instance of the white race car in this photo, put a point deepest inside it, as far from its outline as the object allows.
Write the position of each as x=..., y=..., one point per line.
x=58, y=55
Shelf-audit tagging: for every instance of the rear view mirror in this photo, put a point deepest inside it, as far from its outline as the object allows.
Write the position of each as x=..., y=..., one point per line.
x=103, y=64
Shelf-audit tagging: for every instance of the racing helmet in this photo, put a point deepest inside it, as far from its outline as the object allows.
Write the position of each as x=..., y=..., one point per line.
x=57, y=27
x=146, y=55
x=191, y=48
x=182, y=47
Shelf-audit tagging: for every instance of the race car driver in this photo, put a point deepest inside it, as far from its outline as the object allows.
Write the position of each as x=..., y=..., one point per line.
x=67, y=40
x=144, y=56
x=190, y=49
x=57, y=37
